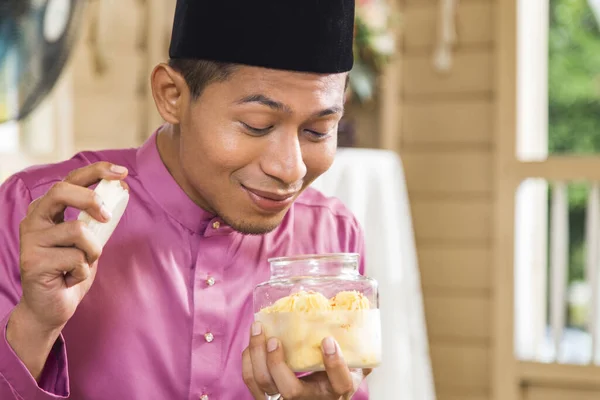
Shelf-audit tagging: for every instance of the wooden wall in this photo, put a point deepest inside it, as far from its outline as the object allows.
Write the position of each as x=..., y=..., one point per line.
x=446, y=143
x=110, y=110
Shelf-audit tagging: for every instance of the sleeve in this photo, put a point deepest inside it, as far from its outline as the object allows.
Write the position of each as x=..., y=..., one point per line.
x=362, y=393
x=15, y=380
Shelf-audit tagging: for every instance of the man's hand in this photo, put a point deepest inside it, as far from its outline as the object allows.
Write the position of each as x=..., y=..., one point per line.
x=58, y=263
x=266, y=373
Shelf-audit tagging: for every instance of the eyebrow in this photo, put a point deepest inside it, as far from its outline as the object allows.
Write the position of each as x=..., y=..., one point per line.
x=278, y=106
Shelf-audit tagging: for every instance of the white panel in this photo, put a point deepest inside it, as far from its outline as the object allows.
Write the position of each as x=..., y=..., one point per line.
x=532, y=80
x=531, y=224
x=559, y=257
x=592, y=240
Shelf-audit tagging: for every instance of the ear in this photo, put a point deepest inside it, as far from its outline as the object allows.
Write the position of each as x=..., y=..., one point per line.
x=170, y=92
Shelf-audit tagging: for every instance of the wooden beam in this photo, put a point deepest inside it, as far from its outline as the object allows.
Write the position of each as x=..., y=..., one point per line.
x=574, y=376
x=560, y=168
x=504, y=383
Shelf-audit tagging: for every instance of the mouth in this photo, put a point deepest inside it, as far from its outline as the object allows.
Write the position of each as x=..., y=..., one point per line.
x=270, y=201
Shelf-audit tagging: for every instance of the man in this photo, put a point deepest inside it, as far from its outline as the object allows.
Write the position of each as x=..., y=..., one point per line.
x=252, y=98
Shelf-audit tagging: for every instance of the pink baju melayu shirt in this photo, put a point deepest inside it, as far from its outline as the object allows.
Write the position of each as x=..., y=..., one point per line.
x=169, y=313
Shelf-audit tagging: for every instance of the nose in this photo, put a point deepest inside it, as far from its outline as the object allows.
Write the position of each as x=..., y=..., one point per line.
x=283, y=159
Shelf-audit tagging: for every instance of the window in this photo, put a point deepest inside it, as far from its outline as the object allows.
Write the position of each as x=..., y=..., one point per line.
x=548, y=195
x=558, y=112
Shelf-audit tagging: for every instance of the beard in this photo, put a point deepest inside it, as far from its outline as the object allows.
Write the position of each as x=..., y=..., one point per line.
x=247, y=227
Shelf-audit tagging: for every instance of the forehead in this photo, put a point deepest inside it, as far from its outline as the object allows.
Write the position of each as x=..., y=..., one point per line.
x=289, y=87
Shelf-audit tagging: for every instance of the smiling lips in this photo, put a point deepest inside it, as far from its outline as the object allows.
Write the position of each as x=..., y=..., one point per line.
x=269, y=201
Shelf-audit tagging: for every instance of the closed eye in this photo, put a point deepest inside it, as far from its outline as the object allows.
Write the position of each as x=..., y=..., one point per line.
x=258, y=131
x=263, y=131
x=316, y=134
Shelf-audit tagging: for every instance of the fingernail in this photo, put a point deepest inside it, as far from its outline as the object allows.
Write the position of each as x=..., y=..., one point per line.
x=329, y=346
x=256, y=329
x=103, y=210
x=272, y=345
x=117, y=169
x=105, y=213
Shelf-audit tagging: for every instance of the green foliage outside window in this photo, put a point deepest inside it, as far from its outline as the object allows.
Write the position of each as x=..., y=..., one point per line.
x=574, y=103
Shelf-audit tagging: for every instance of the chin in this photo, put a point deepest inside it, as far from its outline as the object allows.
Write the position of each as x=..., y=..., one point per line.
x=254, y=226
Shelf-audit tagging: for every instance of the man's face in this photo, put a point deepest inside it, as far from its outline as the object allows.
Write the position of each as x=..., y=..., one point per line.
x=251, y=144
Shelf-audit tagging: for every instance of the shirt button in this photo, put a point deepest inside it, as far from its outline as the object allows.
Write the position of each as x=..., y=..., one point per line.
x=210, y=281
x=216, y=225
x=204, y=397
x=209, y=337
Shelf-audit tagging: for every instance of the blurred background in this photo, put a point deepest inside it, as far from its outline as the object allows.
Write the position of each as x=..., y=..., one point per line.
x=492, y=108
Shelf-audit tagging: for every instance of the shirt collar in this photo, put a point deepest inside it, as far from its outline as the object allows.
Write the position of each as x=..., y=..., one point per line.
x=168, y=194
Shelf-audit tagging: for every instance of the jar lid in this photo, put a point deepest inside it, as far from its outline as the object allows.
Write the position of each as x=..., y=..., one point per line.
x=344, y=257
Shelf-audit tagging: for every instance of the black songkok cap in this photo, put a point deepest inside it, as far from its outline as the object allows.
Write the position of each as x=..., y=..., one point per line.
x=297, y=35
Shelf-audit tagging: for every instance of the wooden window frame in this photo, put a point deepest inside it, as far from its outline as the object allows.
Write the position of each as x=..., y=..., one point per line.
x=510, y=375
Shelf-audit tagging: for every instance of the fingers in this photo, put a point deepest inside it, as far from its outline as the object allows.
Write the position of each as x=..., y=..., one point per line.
x=258, y=357
x=78, y=269
x=93, y=173
x=68, y=261
x=290, y=387
x=72, y=193
x=71, y=234
x=340, y=378
x=265, y=371
x=63, y=195
x=248, y=375
x=69, y=248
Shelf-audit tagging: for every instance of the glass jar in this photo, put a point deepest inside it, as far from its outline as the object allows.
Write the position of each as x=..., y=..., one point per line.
x=311, y=297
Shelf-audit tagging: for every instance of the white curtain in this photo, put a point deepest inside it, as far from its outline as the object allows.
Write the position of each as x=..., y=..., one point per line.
x=371, y=184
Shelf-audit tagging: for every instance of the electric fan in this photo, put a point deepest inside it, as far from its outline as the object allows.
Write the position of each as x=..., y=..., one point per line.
x=36, y=38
